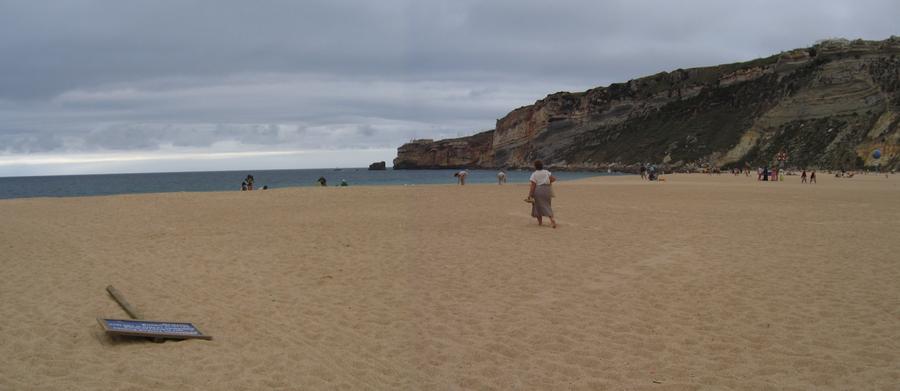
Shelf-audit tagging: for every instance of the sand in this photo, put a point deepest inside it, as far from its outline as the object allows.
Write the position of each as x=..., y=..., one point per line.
x=698, y=282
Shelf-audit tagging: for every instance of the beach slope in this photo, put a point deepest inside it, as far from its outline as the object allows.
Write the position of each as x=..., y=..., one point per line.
x=698, y=282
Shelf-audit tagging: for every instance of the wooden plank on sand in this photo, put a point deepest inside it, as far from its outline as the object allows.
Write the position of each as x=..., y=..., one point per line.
x=137, y=327
x=120, y=298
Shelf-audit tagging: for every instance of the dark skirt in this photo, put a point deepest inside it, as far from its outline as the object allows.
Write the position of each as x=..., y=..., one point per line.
x=541, y=205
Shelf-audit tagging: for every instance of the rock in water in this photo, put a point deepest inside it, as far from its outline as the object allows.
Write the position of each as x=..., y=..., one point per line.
x=378, y=166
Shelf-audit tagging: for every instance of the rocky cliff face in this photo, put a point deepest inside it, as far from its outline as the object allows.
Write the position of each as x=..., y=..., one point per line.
x=473, y=151
x=827, y=106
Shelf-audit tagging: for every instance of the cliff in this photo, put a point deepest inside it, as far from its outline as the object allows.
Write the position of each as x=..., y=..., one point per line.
x=826, y=106
x=473, y=151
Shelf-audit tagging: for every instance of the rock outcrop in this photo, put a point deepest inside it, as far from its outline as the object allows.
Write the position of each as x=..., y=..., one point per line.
x=378, y=166
x=473, y=151
x=826, y=106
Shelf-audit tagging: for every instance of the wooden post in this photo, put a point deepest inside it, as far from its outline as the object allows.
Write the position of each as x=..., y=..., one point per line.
x=119, y=298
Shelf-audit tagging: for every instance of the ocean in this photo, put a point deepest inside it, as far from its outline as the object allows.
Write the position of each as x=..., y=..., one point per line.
x=106, y=184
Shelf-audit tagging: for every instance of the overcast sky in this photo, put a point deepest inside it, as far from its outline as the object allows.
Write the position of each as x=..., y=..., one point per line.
x=149, y=86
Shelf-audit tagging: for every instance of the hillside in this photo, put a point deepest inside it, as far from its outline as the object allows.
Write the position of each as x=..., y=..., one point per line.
x=827, y=106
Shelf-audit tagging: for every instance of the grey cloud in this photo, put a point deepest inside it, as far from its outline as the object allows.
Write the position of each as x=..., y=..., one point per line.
x=282, y=111
x=366, y=130
x=19, y=142
x=55, y=46
x=150, y=136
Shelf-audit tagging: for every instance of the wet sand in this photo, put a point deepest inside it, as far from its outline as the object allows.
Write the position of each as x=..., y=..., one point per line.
x=698, y=282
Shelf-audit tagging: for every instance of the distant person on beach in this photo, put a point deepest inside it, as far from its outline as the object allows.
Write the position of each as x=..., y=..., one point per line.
x=501, y=177
x=803, y=176
x=643, y=171
x=244, y=186
x=265, y=187
x=651, y=173
x=322, y=181
x=343, y=182
x=812, y=177
x=249, y=181
x=461, y=177
x=541, y=193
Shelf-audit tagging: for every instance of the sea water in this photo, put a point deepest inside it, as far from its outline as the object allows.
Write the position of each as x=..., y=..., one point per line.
x=91, y=185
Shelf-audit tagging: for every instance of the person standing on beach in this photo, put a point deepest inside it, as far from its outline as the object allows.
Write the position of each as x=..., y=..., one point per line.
x=803, y=176
x=461, y=177
x=322, y=181
x=812, y=177
x=643, y=172
x=501, y=177
x=249, y=181
x=541, y=193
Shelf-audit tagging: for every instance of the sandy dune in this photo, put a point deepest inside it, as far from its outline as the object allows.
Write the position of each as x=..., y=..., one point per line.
x=698, y=282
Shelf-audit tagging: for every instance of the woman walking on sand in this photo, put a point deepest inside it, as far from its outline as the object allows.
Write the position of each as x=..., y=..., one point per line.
x=540, y=193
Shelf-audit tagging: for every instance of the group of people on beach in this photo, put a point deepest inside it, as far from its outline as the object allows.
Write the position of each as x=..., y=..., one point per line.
x=776, y=174
x=739, y=171
x=843, y=173
x=247, y=184
x=461, y=177
x=324, y=182
x=649, y=172
x=812, y=176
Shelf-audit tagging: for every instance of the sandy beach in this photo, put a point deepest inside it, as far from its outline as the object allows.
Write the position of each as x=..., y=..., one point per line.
x=696, y=283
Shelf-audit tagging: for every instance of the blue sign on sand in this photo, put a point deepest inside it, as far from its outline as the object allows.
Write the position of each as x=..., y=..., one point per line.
x=147, y=328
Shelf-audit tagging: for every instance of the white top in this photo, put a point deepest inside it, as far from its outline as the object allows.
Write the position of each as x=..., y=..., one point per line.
x=501, y=174
x=541, y=177
x=463, y=173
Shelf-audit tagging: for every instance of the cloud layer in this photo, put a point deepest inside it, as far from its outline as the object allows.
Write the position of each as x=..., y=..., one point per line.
x=194, y=77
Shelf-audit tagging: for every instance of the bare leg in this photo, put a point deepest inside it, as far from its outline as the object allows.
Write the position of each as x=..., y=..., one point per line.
x=540, y=220
x=552, y=222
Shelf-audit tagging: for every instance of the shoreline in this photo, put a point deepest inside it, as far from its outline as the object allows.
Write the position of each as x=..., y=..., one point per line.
x=215, y=181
